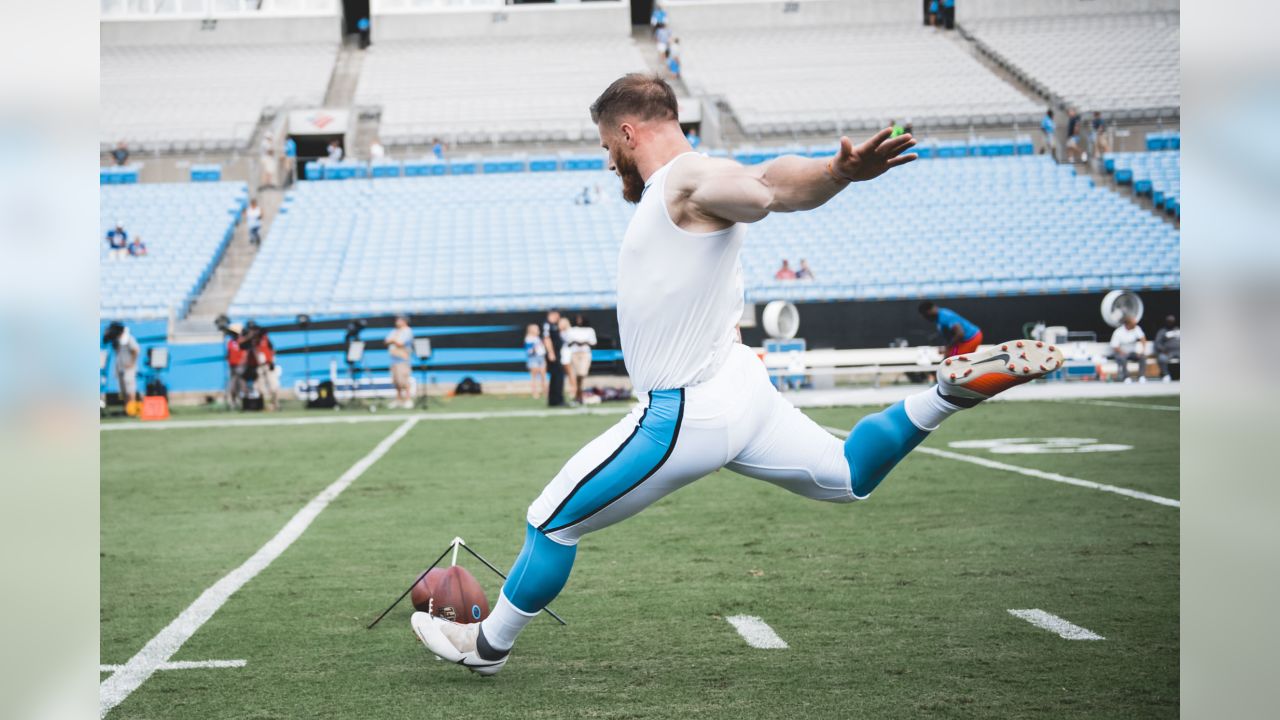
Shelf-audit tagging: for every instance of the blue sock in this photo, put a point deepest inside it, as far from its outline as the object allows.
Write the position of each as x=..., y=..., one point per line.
x=876, y=444
x=541, y=571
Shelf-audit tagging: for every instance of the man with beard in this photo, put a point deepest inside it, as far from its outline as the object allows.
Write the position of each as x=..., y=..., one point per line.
x=706, y=399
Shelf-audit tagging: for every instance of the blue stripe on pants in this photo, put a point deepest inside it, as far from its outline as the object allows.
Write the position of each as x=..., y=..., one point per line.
x=638, y=458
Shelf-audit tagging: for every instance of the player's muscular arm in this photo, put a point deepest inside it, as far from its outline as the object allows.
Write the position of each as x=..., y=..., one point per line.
x=721, y=191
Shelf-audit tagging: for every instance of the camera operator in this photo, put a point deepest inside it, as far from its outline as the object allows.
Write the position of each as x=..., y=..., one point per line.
x=237, y=356
x=268, y=374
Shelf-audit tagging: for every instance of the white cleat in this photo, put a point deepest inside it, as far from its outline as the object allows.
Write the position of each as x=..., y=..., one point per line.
x=967, y=380
x=456, y=643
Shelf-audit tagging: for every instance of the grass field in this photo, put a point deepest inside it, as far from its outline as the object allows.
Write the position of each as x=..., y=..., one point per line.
x=893, y=608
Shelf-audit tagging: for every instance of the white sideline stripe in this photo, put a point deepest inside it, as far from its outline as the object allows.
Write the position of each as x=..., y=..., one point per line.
x=1140, y=406
x=157, y=652
x=757, y=632
x=183, y=665
x=1055, y=625
x=261, y=422
x=1030, y=472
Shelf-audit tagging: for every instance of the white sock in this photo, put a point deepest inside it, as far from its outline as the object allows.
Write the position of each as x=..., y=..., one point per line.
x=926, y=410
x=504, y=623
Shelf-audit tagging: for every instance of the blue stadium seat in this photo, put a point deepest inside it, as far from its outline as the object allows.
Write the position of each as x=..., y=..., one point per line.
x=520, y=242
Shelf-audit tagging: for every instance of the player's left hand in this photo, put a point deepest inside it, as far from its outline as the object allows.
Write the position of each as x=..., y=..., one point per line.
x=874, y=157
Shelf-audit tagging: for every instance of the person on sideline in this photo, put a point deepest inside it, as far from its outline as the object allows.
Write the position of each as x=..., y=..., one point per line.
x=535, y=358
x=582, y=339
x=400, y=347
x=1128, y=342
x=1168, y=346
x=552, y=341
x=564, y=354
x=959, y=336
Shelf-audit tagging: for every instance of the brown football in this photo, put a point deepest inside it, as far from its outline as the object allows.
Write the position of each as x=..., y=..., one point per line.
x=451, y=593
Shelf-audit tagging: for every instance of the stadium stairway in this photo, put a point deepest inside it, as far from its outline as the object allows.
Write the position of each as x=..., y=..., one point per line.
x=199, y=324
x=346, y=75
x=1144, y=201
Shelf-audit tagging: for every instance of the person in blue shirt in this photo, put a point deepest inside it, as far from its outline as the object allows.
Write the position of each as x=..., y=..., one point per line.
x=1047, y=126
x=959, y=335
x=362, y=27
x=948, y=14
x=437, y=148
x=118, y=241
x=290, y=159
x=657, y=18
x=692, y=137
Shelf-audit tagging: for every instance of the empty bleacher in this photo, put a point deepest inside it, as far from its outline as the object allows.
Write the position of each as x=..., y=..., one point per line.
x=185, y=228
x=188, y=98
x=479, y=90
x=820, y=79
x=1156, y=175
x=940, y=227
x=964, y=227
x=428, y=244
x=1125, y=65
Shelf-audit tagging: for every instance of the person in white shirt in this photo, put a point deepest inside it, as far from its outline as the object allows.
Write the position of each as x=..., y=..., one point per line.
x=565, y=356
x=400, y=348
x=1129, y=343
x=376, y=151
x=335, y=151
x=253, y=215
x=706, y=401
x=582, y=337
x=127, y=353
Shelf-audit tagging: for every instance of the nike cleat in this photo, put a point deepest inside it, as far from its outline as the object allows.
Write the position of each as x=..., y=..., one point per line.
x=966, y=380
x=457, y=643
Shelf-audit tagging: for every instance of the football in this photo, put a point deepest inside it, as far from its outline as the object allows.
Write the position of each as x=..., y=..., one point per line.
x=451, y=593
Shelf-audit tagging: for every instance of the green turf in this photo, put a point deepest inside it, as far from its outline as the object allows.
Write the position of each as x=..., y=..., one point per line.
x=896, y=607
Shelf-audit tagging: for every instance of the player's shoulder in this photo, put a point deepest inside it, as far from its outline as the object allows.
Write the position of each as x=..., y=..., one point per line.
x=691, y=171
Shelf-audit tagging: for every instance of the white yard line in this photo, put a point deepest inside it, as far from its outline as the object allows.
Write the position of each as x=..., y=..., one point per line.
x=611, y=409
x=1055, y=625
x=113, y=690
x=1139, y=406
x=757, y=632
x=183, y=665
x=1031, y=472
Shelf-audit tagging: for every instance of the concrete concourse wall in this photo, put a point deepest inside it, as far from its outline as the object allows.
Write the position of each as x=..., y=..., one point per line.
x=997, y=9
x=223, y=31
x=694, y=15
x=588, y=20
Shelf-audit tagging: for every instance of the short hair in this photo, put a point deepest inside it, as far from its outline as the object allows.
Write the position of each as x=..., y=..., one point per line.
x=647, y=97
x=926, y=306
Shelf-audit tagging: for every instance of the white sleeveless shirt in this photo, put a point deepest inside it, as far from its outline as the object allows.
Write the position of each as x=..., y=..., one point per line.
x=679, y=294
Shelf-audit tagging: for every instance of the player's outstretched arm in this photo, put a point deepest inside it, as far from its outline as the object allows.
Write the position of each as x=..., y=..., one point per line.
x=723, y=189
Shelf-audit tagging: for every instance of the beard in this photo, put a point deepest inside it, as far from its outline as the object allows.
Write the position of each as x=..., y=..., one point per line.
x=632, y=183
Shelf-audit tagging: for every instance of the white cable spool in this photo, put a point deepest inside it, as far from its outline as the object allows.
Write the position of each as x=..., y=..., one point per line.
x=1119, y=303
x=781, y=320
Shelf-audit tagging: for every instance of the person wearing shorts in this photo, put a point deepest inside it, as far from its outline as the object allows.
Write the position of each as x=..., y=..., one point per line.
x=582, y=337
x=400, y=347
x=535, y=359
